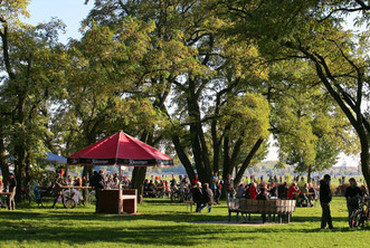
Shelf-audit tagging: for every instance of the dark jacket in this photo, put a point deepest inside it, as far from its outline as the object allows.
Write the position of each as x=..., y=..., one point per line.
x=262, y=196
x=353, y=196
x=282, y=191
x=97, y=181
x=352, y=192
x=325, y=192
x=197, y=194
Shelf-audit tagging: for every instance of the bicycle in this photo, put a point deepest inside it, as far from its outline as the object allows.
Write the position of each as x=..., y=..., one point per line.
x=180, y=195
x=361, y=216
x=50, y=195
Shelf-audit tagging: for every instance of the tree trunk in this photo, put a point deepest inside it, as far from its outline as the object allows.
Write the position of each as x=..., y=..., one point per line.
x=183, y=157
x=351, y=107
x=365, y=158
x=247, y=161
x=309, y=174
x=227, y=167
x=139, y=173
x=138, y=177
x=20, y=174
x=3, y=163
x=87, y=173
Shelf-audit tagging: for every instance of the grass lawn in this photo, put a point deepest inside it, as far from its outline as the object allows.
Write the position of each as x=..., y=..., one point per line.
x=166, y=224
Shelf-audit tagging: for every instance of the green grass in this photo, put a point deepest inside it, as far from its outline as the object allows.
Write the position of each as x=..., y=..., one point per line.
x=166, y=224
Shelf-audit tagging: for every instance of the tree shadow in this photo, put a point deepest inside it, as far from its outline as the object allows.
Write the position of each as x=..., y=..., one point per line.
x=57, y=226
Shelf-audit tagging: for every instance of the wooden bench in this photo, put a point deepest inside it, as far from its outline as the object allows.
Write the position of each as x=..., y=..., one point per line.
x=270, y=207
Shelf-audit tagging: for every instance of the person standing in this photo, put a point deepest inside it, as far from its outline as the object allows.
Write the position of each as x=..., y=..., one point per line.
x=214, y=187
x=325, y=199
x=59, y=182
x=353, y=194
x=12, y=189
x=97, y=181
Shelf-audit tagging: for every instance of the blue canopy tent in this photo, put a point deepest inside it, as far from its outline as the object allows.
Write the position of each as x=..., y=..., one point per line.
x=53, y=158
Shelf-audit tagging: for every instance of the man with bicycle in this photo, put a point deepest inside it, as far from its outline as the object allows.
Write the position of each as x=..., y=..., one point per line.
x=353, y=195
x=59, y=182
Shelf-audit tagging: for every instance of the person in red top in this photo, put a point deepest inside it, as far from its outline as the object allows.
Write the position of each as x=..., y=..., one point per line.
x=195, y=180
x=293, y=191
x=252, y=191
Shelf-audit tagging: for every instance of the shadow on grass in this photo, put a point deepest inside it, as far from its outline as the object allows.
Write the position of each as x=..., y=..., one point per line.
x=145, y=235
x=160, y=223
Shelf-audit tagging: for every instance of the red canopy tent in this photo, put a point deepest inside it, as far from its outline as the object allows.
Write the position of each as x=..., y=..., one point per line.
x=120, y=149
x=123, y=150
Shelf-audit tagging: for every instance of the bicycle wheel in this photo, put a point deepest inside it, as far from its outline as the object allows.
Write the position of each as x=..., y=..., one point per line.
x=46, y=201
x=175, y=197
x=69, y=203
x=91, y=197
x=356, y=218
x=365, y=215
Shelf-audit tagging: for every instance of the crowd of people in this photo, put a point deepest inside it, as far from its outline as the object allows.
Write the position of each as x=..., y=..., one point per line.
x=208, y=194
x=305, y=194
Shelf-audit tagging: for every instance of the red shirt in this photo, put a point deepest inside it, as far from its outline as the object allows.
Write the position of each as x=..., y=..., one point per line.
x=292, y=189
x=252, y=192
x=195, y=180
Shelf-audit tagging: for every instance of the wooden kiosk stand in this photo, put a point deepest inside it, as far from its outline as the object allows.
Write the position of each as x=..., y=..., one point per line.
x=116, y=201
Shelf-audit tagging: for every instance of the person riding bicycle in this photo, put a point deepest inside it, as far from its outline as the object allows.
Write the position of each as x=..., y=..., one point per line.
x=353, y=194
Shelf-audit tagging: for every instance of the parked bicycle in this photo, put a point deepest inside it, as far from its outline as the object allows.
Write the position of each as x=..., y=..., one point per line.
x=180, y=195
x=46, y=196
x=361, y=216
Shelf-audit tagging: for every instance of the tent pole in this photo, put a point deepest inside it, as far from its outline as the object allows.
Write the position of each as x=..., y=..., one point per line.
x=120, y=176
x=119, y=189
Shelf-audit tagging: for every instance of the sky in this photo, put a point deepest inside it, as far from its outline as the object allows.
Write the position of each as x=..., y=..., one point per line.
x=72, y=12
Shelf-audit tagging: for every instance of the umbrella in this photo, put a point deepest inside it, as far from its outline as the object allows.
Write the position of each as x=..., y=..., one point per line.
x=55, y=158
x=120, y=149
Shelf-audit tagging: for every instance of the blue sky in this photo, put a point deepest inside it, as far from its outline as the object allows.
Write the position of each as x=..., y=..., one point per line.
x=71, y=12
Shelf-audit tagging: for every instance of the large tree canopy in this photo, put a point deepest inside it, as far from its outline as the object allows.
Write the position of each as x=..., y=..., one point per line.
x=313, y=31
x=209, y=80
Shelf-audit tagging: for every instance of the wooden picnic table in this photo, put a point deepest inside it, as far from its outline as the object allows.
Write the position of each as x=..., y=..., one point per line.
x=76, y=187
